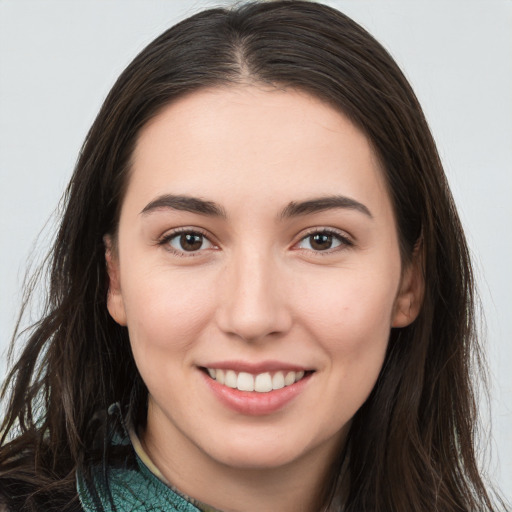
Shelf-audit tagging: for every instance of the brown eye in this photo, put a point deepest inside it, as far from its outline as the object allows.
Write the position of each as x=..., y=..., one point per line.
x=323, y=241
x=189, y=241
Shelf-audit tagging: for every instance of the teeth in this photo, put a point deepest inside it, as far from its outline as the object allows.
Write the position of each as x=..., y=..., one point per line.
x=261, y=383
x=290, y=378
x=278, y=380
x=230, y=379
x=245, y=382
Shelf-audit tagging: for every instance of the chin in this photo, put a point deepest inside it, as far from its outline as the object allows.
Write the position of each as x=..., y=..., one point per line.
x=256, y=452
x=256, y=459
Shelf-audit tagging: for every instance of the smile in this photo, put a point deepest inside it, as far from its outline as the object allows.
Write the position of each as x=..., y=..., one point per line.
x=260, y=383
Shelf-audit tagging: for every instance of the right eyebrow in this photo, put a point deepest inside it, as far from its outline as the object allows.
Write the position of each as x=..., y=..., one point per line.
x=185, y=203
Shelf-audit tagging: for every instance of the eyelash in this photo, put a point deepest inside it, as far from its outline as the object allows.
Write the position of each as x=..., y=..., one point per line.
x=166, y=239
x=345, y=241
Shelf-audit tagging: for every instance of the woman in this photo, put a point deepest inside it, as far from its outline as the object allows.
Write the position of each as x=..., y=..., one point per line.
x=261, y=296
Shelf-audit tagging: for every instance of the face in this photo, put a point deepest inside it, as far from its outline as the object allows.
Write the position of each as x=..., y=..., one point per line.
x=257, y=269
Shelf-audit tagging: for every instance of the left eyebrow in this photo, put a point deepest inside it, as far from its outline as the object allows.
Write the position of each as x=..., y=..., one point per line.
x=320, y=204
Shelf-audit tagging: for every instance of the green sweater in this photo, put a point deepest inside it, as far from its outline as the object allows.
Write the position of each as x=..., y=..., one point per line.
x=129, y=485
x=132, y=490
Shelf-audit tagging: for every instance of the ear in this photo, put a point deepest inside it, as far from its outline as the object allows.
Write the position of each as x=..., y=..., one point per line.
x=115, y=304
x=410, y=295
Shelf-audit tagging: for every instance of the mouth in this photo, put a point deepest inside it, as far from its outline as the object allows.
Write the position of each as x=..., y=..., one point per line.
x=259, y=383
x=256, y=389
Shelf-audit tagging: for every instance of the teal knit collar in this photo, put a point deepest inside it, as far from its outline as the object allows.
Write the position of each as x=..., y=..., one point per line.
x=129, y=487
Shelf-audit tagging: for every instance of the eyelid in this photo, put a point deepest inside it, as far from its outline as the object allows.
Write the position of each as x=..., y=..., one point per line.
x=346, y=240
x=169, y=235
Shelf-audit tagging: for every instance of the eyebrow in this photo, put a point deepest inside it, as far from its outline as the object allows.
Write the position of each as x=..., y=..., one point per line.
x=293, y=209
x=320, y=204
x=185, y=203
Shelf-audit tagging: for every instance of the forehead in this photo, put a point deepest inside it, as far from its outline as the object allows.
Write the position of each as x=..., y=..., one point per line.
x=252, y=143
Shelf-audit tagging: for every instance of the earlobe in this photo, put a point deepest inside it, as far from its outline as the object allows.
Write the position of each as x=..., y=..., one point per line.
x=410, y=296
x=115, y=304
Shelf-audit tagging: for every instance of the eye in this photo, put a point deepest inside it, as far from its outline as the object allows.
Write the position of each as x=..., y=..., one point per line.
x=323, y=240
x=187, y=242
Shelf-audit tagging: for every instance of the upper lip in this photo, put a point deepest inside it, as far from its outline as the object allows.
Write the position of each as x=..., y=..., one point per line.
x=256, y=368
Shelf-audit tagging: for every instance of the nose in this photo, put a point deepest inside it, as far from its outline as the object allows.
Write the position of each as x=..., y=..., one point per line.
x=252, y=298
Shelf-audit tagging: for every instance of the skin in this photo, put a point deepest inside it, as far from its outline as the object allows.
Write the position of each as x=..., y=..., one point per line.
x=257, y=289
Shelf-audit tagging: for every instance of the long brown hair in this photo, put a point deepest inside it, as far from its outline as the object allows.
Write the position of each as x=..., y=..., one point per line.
x=411, y=445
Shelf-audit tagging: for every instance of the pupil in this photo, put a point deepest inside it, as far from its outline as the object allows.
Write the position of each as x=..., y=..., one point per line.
x=321, y=241
x=191, y=242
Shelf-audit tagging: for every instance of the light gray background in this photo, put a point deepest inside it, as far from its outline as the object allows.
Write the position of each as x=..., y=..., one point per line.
x=58, y=60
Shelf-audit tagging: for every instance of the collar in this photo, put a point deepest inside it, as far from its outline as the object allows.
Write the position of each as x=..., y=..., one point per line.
x=133, y=482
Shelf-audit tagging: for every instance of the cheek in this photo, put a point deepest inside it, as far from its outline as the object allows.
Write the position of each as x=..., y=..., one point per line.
x=351, y=323
x=166, y=310
x=349, y=309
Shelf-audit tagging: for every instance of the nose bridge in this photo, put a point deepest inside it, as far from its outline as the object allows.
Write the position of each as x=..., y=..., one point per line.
x=252, y=304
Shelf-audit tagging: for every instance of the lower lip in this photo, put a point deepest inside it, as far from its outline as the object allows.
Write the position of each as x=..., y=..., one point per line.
x=253, y=403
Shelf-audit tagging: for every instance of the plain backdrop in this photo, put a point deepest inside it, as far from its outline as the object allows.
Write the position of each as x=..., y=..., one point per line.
x=58, y=60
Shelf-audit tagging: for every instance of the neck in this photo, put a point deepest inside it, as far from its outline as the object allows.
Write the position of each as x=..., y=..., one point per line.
x=291, y=487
